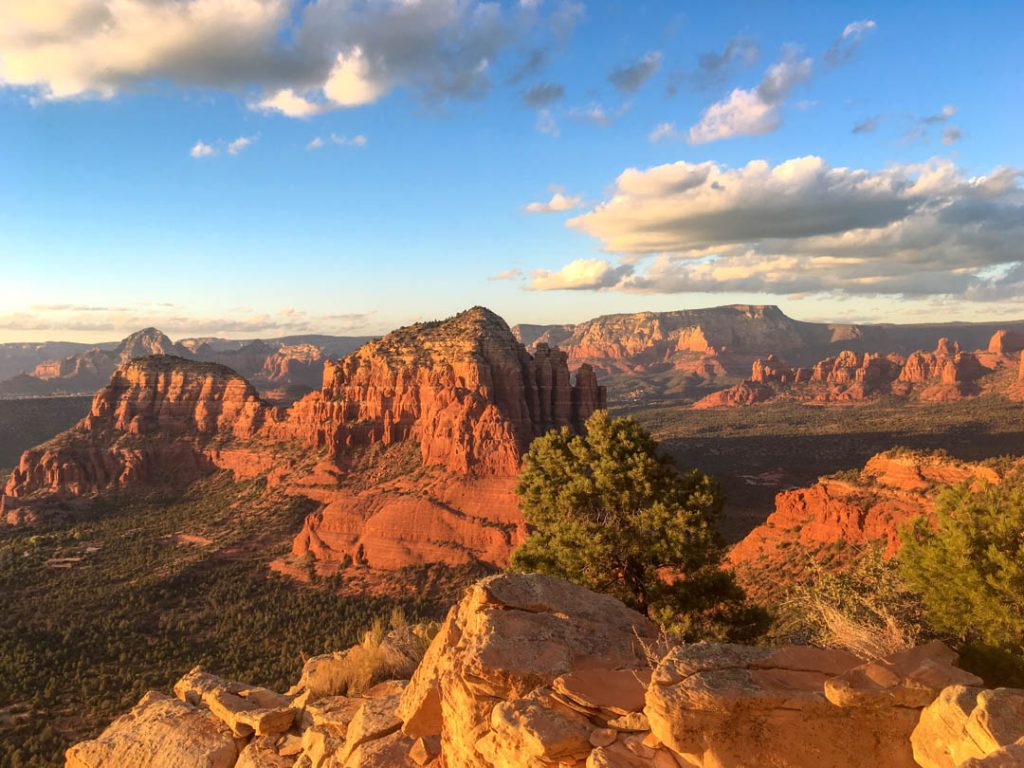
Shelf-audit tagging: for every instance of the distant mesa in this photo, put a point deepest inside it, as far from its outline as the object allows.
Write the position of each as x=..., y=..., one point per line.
x=286, y=366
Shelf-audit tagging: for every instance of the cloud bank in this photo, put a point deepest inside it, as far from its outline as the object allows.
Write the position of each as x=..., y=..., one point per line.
x=300, y=58
x=805, y=226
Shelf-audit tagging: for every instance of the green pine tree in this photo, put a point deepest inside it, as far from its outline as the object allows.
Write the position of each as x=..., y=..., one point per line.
x=969, y=571
x=606, y=511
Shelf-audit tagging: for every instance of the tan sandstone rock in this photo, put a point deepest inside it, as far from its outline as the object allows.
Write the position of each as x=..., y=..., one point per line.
x=494, y=661
x=971, y=726
x=159, y=732
x=727, y=705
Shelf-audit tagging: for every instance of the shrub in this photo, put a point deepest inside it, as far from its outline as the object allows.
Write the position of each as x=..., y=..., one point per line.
x=865, y=609
x=969, y=571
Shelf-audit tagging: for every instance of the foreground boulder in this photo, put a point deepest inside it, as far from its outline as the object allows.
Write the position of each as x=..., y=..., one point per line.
x=970, y=726
x=530, y=671
x=520, y=669
x=160, y=732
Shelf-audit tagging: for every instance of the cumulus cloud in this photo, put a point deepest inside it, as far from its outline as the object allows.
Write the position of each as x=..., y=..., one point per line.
x=579, y=275
x=756, y=111
x=849, y=42
x=558, y=203
x=543, y=95
x=315, y=143
x=629, y=78
x=202, y=149
x=301, y=58
x=805, y=226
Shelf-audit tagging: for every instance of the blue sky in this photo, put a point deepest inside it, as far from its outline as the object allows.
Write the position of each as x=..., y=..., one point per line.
x=122, y=204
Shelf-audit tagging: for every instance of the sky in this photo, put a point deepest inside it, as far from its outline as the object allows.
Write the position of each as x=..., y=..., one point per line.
x=257, y=168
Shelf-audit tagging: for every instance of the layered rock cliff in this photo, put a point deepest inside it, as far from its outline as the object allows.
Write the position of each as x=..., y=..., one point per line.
x=157, y=418
x=530, y=671
x=839, y=514
x=464, y=389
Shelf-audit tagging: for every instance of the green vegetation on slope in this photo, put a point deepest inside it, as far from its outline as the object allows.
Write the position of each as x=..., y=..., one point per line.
x=969, y=572
x=757, y=451
x=162, y=584
x=27, y=422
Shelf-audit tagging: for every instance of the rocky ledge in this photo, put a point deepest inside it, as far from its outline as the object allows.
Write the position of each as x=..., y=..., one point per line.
x=530, y=671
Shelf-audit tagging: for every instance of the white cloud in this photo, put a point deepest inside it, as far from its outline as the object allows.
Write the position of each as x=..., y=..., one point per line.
x=202, y=149
x=579, y=275
x=349, y=141
x=558, y=203
x=849, y=42
x=316, y=143
x=546, y=123
x=294, y=57
x=951, y=135
x=239, y=145
x=804, y=226
x=508, y=274
x=663, y=131
x=756, y=111
x=290, y=104
x=95, y=48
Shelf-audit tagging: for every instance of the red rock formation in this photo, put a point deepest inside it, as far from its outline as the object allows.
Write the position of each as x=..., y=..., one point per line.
x=296, y=364
x=464, y=389
x=849, y=511
x=153, y=420
x=463, y=394
x=744, y=393
x=1005, y=342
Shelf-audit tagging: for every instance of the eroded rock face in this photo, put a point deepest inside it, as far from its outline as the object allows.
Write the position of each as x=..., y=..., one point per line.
x=722, y=705
x=512, y=669
x=1005, y=342
x=152, y=419
x=744, y=393
x=464, y=389
x=463, y=394
x=971, y=726
x=849, y=511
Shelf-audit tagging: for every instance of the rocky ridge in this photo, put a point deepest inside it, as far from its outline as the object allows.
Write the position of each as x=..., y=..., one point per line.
x=842, y=513
x=409, y=448
x=531, y=671
x=945, y=374
x=270, y=366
